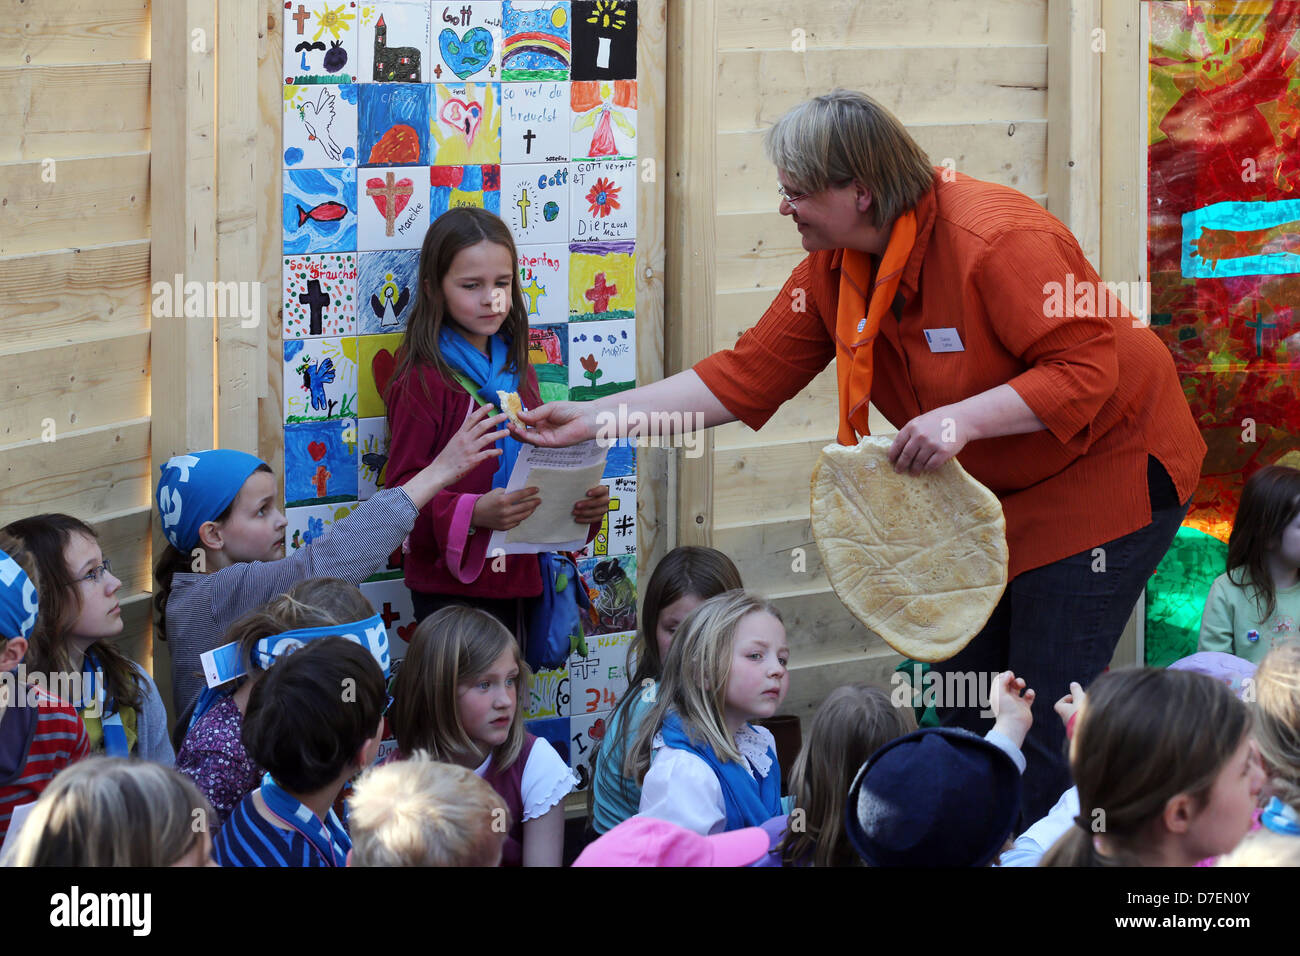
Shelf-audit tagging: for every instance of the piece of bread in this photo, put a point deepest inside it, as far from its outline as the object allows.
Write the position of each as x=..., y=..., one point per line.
x=920, y=560
x=512, y=405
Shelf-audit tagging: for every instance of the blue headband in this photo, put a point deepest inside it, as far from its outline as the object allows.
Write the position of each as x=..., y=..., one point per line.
x=226, y=663
x=197, y=488
x=18, y=600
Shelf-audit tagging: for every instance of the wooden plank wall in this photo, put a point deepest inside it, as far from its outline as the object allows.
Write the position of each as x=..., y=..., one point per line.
x=970, y=81
x=74, y=277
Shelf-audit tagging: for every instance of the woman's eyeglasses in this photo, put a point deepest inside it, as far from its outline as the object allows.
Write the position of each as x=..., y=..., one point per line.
x=791, y=199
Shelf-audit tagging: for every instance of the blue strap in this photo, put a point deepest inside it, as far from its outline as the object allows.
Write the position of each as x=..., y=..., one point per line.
x=1280, y=818
x=94, y=688
x=749, y=800
x=328, y=837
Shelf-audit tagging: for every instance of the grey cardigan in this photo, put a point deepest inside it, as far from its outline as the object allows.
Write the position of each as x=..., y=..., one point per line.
x=202, y=607
x=152, y=742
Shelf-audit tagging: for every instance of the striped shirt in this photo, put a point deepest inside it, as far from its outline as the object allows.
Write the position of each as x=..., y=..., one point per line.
x=249, y=839
x=201, y=607
x=35, y=744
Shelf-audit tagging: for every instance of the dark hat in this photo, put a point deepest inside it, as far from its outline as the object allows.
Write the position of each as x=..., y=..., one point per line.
x=940, y=796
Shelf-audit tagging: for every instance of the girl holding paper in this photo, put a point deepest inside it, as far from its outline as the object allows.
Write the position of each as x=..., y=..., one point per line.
x=466, y=344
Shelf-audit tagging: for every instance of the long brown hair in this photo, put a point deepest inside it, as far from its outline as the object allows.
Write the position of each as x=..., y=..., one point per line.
x=852, y=723
x=1144, y=736
x=453, y=231
x=450, y=647
x=1270, y=501
x=47, y=537
x=173, y=562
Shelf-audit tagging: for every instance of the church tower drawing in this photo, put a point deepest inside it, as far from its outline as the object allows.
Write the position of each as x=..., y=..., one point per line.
x=398, y=64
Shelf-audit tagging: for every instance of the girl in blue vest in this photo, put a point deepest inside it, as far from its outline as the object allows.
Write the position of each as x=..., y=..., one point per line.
x=701, y=763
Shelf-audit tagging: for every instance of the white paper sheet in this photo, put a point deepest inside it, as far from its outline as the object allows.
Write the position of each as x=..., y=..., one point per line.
x=562, y=477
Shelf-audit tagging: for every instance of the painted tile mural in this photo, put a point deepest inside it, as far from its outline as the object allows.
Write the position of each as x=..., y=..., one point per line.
x=394, y=112
x=1223, y=247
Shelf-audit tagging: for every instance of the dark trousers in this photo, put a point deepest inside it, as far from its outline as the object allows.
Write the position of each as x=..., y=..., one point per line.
x=1060, y=623
x=509, y=611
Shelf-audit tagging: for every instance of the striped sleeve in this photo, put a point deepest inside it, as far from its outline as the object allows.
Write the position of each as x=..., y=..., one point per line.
x=59, y=738
x=248, y=839
x=203, y=606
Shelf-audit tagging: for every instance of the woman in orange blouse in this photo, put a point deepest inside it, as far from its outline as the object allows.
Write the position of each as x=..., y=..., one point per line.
x=972, y=320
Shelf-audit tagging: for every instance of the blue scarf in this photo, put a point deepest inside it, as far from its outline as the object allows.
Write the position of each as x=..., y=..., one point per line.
x=749, y=801
x=95, y=690
x=491, y=376
x=328, y=837
x=1280, y=818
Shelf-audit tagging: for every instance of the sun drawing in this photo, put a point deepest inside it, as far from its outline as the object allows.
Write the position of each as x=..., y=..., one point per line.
x=609, y=14
x=335, y=21
x=603, y=197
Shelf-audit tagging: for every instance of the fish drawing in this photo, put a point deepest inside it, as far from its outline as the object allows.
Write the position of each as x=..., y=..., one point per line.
x=325, y=212
x=319, y=123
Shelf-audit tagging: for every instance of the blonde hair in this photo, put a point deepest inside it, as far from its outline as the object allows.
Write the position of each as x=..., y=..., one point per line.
x=418, y=812
x=694, y=682
x=852, y=723
x=843, y=136
x=450, y=647
x=1277, y=720
x=111, y=811
x=1264, y=848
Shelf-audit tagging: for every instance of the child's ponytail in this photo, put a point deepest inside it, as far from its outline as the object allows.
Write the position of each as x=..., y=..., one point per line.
x=1144, y=736
x=171, y=562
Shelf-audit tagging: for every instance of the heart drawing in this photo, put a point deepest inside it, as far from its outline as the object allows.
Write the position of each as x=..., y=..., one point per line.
x=467, y=54
x=381, y=366
x=378, y=191
x=317, y=450
x=462, y=117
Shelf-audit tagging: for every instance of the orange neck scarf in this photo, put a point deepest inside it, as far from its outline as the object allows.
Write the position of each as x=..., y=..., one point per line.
x=857, y=322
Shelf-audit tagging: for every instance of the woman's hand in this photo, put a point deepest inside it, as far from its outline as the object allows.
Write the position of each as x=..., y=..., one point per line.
x=468, y=448
x=499, y=511
x=929, y=440
x=591, y=509
x=556, y=425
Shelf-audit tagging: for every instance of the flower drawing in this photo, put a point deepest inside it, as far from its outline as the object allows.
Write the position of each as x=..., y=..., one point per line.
x=591, y=369
x=603, y=197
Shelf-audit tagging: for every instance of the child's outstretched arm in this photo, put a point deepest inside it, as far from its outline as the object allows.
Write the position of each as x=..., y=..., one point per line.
x=470, y=446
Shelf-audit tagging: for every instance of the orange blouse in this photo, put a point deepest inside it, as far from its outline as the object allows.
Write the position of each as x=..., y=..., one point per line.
x=984, y=263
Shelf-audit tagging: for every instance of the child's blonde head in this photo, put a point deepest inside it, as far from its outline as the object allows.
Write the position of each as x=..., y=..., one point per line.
x=419, y=812
x=852, y=723
x=111, y=811
x=1277, y=720
x=696, y=672
x=450, y=648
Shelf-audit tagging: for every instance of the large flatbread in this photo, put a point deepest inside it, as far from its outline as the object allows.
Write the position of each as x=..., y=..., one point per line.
x=920, y=560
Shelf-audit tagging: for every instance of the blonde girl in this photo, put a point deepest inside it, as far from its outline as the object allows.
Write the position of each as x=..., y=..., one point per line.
x=457, y=696
x=73, y=643
x=1277, y=734
x=682, y=581
x=702, y=764
x=1166, y=769
x=852, y=723
x=1255, y=605
x=107, y=811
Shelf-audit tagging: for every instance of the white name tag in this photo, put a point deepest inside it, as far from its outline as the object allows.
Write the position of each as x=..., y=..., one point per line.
x=944, y=340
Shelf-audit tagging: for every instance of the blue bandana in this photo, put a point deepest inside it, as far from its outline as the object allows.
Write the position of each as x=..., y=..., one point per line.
x=749, y=802
x=197, y=488
x=225, y=663
x=491, y=376
x=1280, y=818
x=18, y=600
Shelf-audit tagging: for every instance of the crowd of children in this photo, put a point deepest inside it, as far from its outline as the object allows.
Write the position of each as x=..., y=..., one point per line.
x=284, y=686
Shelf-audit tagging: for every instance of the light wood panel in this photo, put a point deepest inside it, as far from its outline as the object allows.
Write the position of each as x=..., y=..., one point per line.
x=268, y=185
x=71, y=295
x=1074, y=112
x=1013, y=154
x=812, y=415
x=85, y=473
x=73, y=110
x=73, y=31
x=768, y=24
x=124, y=537
x=94, y=200
x=930, y=85
x=240, y=347
x=769, y=479
x=690, y=273
x=73, y=387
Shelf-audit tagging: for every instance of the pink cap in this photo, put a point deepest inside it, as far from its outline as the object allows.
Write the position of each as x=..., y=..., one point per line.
x=644, y=841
